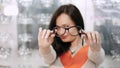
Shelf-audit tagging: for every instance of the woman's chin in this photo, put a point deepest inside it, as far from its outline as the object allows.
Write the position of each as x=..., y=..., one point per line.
x=65, y=40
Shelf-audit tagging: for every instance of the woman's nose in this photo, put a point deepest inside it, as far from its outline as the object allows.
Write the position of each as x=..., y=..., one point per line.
x=66, y=32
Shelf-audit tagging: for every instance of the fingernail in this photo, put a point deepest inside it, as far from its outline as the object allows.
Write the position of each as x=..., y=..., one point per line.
x=80, y=31
x=40, y=29
x=51, y=31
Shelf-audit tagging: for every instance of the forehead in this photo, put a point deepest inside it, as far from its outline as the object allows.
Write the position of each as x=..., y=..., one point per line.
x=64, y=20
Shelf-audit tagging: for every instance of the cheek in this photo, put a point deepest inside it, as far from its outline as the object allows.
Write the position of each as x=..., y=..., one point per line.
x=71, y=38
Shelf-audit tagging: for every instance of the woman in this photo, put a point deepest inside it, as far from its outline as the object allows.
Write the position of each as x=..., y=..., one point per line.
x=66, y=45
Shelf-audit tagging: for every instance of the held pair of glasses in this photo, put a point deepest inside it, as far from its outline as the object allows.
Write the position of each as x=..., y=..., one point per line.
x=73, y=30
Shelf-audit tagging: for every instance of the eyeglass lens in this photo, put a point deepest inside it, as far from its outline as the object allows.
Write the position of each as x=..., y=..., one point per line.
x=59, y=31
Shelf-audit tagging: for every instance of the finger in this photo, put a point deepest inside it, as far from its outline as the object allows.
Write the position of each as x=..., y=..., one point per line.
x=89, y=38
x=44, y=33
x=93, y=37
x=80, y=31
x=47, y=34
x=51, y=38
x=83, y=33
x=85, y=36
x=39, y=33
x=40, y=29
x=52, y=33
x=98, y=41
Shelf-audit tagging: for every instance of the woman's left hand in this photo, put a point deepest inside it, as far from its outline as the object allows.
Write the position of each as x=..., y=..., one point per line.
x=93, y=40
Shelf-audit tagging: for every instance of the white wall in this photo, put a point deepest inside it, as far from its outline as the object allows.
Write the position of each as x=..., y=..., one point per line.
x=87, y=10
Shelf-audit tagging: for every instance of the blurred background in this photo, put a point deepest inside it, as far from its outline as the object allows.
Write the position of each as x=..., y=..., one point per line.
x=21, y=19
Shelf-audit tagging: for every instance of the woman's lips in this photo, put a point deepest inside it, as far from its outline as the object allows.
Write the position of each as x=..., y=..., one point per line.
x=63, y=37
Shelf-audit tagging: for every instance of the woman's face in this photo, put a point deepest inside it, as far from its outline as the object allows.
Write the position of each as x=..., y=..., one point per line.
x=64, y=21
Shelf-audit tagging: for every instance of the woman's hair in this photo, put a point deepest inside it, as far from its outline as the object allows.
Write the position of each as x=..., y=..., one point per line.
x=75, y=15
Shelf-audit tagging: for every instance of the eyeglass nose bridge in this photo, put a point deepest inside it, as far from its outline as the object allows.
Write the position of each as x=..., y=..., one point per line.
x=66, y=29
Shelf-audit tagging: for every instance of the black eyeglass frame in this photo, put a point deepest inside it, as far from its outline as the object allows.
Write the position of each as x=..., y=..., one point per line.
x=67, y=28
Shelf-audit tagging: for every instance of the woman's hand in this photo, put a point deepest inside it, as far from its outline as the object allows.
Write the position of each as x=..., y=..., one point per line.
x=45, y=38
x=93, y=39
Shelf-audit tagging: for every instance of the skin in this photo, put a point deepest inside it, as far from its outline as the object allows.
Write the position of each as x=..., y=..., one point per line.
x=64, y=21
x=45, y=36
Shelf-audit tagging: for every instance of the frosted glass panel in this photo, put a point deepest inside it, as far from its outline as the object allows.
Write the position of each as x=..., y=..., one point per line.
x=107, y=17
x=20, y=20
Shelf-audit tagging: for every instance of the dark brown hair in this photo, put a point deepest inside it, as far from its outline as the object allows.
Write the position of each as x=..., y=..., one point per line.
x=75, y=15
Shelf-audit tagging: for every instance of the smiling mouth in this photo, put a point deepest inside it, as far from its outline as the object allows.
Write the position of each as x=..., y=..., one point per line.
x=63, y=37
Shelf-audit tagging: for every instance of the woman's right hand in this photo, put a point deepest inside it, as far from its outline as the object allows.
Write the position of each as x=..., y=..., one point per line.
x=45, y=38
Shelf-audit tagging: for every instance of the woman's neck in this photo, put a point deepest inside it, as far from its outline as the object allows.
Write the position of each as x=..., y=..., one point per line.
x=76, y=42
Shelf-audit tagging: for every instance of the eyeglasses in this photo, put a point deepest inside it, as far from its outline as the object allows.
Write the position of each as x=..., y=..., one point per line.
x=73, y=30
